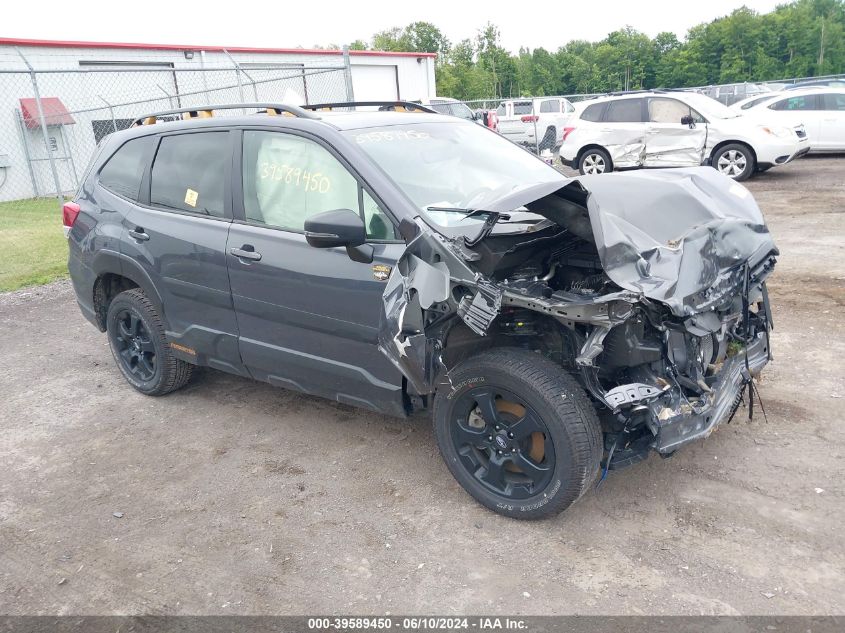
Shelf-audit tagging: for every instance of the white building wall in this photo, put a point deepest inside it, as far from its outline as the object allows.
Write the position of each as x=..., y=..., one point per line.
x=147, y=77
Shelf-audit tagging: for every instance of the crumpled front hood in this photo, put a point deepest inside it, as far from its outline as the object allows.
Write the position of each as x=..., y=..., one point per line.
x=675, y=234
x=670, y=235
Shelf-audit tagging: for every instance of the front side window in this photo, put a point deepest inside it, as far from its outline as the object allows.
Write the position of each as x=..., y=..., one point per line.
x=287, y=179
x=624, y=111
x=189, y=173
x=667, y=110
x=123, y=172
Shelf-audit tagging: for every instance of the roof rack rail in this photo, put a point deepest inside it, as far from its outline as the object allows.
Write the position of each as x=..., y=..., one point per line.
x=205, y=112
x=408, y=106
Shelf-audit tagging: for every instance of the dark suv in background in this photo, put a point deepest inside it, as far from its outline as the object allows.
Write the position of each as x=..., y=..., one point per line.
x=403, y=260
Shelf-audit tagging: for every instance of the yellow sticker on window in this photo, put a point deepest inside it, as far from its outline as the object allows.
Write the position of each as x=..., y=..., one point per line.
x=191, y=197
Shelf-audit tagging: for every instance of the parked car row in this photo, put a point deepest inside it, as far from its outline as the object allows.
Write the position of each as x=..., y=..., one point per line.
x=660, y=128
x=675, y=129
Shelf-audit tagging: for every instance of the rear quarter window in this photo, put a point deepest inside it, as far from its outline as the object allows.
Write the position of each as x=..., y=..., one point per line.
x=593, y=112
x=123, y=172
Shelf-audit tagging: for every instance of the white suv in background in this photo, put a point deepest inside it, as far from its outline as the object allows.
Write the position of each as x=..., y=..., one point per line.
x=821, y=110
x=674, y=129
x=535, y=122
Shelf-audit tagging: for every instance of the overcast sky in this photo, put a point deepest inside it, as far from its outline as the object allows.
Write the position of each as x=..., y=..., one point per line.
x=276, y=23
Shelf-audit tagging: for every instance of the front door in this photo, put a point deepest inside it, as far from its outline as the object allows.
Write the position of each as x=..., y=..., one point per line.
x=308, y=317
x=670, y=143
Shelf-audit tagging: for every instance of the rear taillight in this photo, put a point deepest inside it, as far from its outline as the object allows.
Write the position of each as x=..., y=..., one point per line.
x=530, y=118
x=566, y=132
x=70, y=211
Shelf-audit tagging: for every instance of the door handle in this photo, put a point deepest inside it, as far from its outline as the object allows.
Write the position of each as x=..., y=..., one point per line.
x=246, y=252
x=139, y=234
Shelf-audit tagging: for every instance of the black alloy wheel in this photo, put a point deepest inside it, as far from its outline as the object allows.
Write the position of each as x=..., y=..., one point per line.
x=135, y=347
x=502, y=442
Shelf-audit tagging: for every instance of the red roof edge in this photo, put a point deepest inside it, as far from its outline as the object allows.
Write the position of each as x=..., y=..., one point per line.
x=11, y=41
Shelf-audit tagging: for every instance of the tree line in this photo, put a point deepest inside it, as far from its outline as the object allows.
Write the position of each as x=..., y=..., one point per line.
x=803, y=38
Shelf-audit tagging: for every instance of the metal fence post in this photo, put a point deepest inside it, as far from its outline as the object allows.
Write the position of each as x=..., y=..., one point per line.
x=237, y=75
x=347, y=73
x=111, y=113
x=44, y=132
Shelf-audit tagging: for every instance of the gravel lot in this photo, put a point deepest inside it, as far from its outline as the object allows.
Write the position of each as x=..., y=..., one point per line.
x=240, y=498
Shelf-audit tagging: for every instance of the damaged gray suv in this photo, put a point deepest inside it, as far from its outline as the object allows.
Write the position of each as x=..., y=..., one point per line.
x=556, y=328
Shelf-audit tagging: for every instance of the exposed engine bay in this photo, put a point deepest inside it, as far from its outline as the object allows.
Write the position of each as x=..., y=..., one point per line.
x=648, y=287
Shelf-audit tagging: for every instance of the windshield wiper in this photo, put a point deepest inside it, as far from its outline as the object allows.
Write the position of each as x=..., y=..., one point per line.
x=492, y=218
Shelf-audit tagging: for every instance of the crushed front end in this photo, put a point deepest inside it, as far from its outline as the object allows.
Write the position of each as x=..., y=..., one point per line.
x=648, y=287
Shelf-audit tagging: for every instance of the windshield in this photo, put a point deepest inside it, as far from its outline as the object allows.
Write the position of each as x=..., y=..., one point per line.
x=452, y=165
x=710, y=108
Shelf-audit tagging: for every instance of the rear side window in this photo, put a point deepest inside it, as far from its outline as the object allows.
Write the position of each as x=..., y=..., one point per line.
x=123, y=172
x=549, y=105
x=834, y=102
x=624, y=111
x=189, y=173
x=593, y=112
x=806, y=102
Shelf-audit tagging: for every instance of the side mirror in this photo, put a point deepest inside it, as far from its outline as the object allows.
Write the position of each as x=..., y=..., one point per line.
x=341, y=227
x=688, y=120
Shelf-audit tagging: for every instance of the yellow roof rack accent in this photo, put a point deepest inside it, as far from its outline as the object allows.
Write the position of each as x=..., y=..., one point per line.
x=205, y=112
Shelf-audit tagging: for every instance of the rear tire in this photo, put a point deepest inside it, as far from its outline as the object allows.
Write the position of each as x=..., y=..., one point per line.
x=532, y=453
x=140, y=348
x=594, y=161
x=735, y=160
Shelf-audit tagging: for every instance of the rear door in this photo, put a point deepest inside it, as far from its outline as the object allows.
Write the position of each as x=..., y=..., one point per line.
x=832, y=126
x=177, y=235
x=309, y=317
x=802, y=110
x=670, y=143
x=623, y=131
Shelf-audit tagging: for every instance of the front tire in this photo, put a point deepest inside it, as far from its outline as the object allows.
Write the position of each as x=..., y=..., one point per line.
x=140, y=348
x=594, y=161
x=735, y=161
x=518, y=433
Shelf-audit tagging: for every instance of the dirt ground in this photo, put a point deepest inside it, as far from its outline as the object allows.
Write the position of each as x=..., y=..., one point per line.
x=240, y=498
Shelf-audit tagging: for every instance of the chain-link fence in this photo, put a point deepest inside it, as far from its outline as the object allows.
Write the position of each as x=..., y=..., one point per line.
x=51, y=120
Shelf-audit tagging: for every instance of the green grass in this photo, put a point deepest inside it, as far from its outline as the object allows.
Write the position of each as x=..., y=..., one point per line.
x=33, y=249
